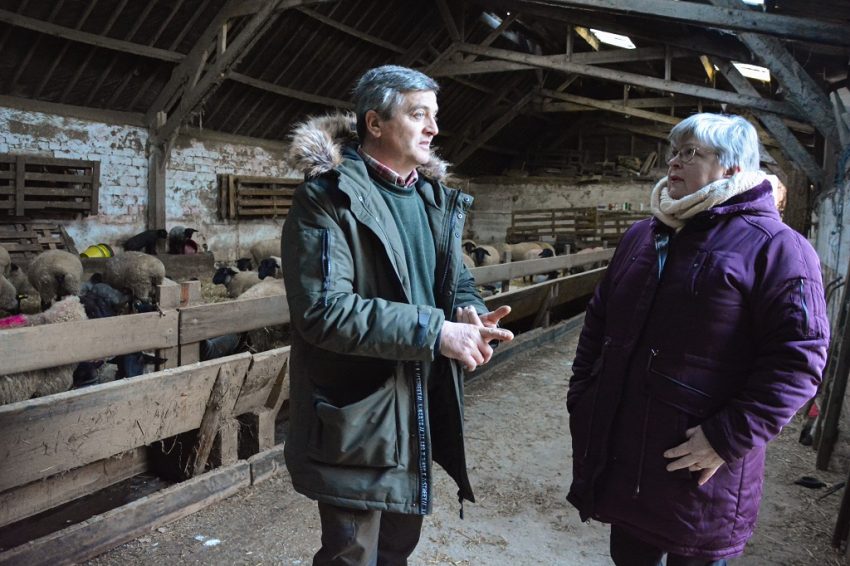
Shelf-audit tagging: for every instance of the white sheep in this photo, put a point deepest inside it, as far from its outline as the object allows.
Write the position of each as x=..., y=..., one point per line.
x=468, y=261
x=265, y=248
x=18, y=277
x=8, y=296
x=521, y=251
x=265, y=288
x=237, y=282
x=136, y=273
x=5, y=262
x=55, y=274
x=36, y=383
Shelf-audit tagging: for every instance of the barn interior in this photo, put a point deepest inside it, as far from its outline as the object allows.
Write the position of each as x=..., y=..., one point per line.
x=118, y=117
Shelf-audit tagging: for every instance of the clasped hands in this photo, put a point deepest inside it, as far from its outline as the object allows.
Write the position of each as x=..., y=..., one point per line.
x=467, y=340
x=695, y=454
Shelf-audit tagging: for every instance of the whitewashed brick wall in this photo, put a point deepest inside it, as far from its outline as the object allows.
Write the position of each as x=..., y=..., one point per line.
x=191, y=183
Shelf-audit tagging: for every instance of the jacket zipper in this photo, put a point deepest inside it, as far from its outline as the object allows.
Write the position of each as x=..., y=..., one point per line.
x=804, y=306
x=449, y=228
x=652, y=354
x=424, y=493
x=327, y=242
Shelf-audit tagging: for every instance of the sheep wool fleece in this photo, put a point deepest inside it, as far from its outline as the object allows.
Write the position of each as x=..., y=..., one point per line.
x=730, y=335
x=366, y=424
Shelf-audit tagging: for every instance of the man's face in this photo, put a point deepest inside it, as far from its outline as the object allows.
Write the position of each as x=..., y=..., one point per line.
x=404, y=141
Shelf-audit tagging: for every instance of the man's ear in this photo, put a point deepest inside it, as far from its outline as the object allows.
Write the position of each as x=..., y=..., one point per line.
x=373, y=123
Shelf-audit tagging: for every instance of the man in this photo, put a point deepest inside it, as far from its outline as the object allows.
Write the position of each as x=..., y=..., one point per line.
x=374, y=276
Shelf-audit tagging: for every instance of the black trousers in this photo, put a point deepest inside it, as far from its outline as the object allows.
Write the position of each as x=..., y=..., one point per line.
x=628, y=550
x=351, y=537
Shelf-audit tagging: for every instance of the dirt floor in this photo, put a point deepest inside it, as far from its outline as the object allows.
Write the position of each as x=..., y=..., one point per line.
x=520, y=470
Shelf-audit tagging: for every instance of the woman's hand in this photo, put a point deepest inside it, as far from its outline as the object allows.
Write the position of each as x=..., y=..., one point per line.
x=696, y=454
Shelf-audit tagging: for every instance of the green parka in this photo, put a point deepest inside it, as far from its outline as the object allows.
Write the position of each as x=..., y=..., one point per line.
x=364, y=425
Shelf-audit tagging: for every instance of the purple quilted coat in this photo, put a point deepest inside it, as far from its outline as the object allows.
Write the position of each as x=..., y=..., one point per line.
x=732, y=336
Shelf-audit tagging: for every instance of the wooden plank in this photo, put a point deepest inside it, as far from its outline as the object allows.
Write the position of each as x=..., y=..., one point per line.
x=290, y=92
x=49, y=435
x=282, y=211
x=526, y=301
x=94, y=536
x=20, y=171
x=60, y=161
x=231, y=195
x=33, y=190
x=57, y=177
x=205, y=321
x=517, y=269
x=219, y=406
x=60, y=204
x=33, y=498
x=51, y=345
x=351, y=31
x=265, y=372
x=266, y=464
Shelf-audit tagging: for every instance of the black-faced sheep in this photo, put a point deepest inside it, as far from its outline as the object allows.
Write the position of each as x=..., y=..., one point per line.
x=244, y=264
x=135, y=273
x=145, y=241
x=485, y=255
x=55, y=274
x=270, y=267
x=5, y=262
x=237, y=282
x=36, y=383
x=265, y=248
x=180, y=240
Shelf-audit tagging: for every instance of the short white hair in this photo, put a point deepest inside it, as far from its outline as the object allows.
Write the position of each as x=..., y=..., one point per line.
x=732, y=137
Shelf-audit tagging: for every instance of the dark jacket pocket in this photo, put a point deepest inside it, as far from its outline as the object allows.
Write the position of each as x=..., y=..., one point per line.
x=364, y=433
x=689, y=384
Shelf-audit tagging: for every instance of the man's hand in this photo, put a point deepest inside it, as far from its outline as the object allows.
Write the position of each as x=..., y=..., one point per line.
x=488, y=319
x=468, y=343
x=696, y=454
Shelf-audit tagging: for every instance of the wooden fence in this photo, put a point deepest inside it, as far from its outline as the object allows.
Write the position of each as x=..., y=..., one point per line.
x=578, y=227
x=32, y=185
x=60, y=447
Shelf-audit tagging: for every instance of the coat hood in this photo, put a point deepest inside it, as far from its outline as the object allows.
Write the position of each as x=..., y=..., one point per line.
x=317, y=146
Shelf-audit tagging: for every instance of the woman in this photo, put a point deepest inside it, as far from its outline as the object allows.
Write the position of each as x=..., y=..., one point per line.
x=706, y=335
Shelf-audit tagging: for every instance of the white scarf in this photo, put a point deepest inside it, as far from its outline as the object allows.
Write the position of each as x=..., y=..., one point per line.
x=675, y=212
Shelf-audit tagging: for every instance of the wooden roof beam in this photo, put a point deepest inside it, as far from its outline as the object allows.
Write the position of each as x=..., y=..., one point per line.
x=290, y=92
x=738, y=18
x=804, y=92
x=94, y=39
x=589, y=58
x=494, y=128
x=786, y=140
x=623, y=77
x=351, y=31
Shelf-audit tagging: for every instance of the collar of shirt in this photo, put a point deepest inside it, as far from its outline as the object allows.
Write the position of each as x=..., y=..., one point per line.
x=386, y=173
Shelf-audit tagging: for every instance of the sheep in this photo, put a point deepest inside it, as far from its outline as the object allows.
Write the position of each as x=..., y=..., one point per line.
x=485, y=255
x=55, y=274
x=265, y=288
x=18, y=278
x=244, y=264
x=36, y=383
x=145, y=241
x=101, y=300
x=468, y=261
x=8, y=296
x=520, y=251
x=237, y=282
x=136, y=273
x=270, y=266
x=179, y=238
x=5, y=262
x=469, y=245
x=265, y=248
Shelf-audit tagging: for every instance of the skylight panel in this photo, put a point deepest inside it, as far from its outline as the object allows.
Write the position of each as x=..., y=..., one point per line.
x=613, y=39
x=753, y=71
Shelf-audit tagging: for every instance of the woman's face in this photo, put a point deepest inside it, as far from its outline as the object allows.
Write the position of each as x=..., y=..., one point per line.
x=691, y=168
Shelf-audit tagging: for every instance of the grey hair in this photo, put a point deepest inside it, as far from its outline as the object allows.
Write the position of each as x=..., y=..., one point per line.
x=382, y=89
x=733, y=138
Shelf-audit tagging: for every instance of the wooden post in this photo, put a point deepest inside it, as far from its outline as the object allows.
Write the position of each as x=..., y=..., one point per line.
x=222, y=398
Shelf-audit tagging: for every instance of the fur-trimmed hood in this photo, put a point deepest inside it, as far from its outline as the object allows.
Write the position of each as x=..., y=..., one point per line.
x=316, y=146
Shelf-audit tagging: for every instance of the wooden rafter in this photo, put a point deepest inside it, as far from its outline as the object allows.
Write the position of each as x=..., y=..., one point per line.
x=93, y=39
x=635, y=79
x=34, y=47
x=494, y=128
x=351, y=31
x=588, y=58
x=449, y=21
x=290, y=92
x=786, y=140
x=58, y=58
x=738, y=18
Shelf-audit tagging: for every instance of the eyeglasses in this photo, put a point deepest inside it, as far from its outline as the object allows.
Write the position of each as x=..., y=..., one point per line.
x=685, y=154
